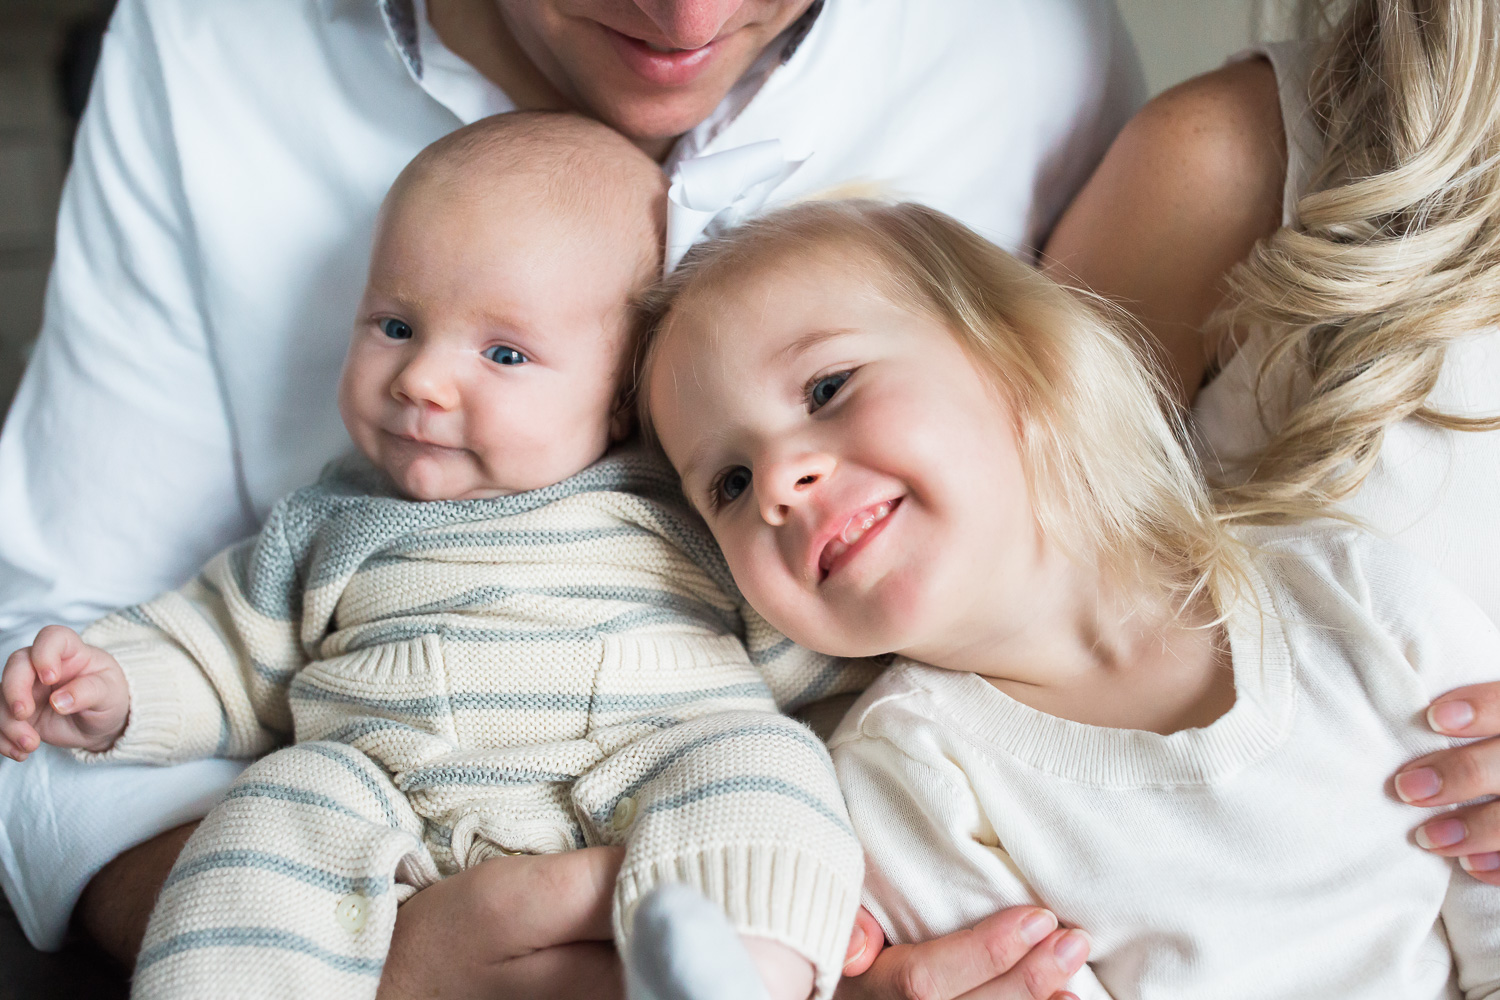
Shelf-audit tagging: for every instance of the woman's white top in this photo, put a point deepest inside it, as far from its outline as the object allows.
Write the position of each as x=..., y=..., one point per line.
x=1256, y=857
x=1432, y=491
x=212, y=246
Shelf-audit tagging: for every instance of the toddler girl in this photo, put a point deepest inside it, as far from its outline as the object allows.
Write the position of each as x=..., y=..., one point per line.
x=1107, y=698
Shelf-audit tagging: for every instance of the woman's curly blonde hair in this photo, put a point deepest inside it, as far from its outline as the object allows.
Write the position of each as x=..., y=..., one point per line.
x=1394, y=251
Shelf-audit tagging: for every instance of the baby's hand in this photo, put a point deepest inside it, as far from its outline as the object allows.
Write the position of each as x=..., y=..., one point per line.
x=62, y=692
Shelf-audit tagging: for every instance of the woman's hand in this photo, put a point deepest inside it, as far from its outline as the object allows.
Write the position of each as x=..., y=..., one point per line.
x=1471, y=834
x=527, y=928
x=1017, y=954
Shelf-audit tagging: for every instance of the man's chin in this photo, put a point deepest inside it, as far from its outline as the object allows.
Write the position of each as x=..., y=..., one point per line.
x=655, y=122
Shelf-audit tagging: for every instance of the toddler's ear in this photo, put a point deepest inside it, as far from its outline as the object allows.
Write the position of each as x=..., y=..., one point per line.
x=621, y=423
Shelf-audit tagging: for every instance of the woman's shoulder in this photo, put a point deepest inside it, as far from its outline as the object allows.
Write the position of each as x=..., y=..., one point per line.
x=1189, y=186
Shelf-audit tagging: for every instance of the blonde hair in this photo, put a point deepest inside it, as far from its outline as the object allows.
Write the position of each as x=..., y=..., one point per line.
x=1110, y=478
x=1395, y=249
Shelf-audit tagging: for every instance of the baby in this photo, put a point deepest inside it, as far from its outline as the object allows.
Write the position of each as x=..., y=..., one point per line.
x=485, y=636
x=1171, y=733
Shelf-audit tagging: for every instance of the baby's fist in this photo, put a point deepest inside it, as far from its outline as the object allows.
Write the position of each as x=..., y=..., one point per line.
x=60, y=691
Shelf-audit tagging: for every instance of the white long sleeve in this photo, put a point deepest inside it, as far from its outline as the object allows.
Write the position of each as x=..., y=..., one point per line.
x=928, y=836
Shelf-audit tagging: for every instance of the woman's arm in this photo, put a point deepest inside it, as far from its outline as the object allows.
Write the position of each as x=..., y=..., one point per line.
x=1189, y=186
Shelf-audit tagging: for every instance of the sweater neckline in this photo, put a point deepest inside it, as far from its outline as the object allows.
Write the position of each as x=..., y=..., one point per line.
x=1258, y=722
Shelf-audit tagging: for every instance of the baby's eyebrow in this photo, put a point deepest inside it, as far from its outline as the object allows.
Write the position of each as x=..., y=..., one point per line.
x=808, y=341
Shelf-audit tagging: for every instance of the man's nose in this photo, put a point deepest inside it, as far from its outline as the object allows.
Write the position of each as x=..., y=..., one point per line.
x=689, y=24
x=783, y=485
x=426, y=380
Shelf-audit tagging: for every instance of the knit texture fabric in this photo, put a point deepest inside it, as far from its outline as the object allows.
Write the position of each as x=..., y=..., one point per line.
x=466, y=679
x=1260, y=856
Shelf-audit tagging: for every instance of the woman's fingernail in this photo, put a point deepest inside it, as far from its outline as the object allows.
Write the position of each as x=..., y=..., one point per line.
x=1037, y=926
x=1450, y=716
x=858, y=939
x=1070, y=951
x=18, y=710
x=1441, y=833
x=1480, y=862
x=62, y=701
x=1415, y=786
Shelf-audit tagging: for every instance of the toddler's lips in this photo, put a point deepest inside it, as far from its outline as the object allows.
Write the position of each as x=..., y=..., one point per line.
x=859, y=525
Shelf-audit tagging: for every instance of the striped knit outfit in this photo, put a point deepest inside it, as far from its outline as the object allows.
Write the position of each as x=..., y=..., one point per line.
x=465, y=679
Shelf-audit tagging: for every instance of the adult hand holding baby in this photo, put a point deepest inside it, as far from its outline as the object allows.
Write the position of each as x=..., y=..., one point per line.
x=530, y=926
x=1016, y=954
x=61, y=691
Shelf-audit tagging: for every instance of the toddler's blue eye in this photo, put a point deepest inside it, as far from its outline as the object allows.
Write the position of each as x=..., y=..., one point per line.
x=395, y=329
x=505, y=356
x=732, y=483
x=824, y=388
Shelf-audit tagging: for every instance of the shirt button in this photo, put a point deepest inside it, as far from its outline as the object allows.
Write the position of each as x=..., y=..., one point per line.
x=624, y=814
x=352, y=912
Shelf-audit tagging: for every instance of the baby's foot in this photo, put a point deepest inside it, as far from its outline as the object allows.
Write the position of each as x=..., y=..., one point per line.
x=683, y=948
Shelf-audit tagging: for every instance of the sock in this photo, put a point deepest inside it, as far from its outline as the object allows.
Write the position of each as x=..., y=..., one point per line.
x=682, y=948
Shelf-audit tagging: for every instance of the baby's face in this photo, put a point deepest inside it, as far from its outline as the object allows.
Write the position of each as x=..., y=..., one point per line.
x=489, y=343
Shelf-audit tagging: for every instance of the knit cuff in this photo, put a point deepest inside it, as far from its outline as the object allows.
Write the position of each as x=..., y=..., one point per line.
x=171, y=705
x=781, y=893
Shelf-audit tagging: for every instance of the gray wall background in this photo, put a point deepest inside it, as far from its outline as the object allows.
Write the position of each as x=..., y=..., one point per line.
x=1177, y=38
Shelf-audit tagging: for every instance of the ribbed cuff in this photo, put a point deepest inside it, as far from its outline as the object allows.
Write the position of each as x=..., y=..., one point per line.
x=787, y=895
x=155, y=733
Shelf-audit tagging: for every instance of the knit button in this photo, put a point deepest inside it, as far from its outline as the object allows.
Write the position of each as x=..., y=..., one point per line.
x=624, y=813
x=352, y=912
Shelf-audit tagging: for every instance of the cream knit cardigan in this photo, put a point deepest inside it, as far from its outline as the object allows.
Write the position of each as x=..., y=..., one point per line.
x=466, y=679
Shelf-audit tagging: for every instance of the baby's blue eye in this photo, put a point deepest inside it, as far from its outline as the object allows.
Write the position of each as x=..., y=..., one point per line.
x=395, y=329
x=505, y=356
x=732, y=483
x=824, y=388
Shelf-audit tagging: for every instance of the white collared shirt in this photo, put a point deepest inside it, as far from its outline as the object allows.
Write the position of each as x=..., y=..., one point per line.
x=215, y=230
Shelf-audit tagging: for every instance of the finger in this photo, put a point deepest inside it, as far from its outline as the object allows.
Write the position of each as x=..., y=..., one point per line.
x=54, y=650
x=1484, y=867
x=952, y=965
x=865, y=943
x=554, y=899
x=584, y=971
x=16, y=684
x=10, y=750
x=1473, y=830
x=1451, y=776
x=20, y=737
x=1467, y=711
x=1044, y=971
x=91, y=692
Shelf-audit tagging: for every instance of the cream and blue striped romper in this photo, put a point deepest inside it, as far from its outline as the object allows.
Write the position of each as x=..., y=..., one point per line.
x=463, y=680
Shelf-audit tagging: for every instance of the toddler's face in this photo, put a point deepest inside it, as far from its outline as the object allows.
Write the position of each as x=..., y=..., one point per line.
x=489, y=344
x=862, y=477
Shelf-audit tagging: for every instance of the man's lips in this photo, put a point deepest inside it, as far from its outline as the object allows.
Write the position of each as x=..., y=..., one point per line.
x=663, y=67
x=854, y=535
